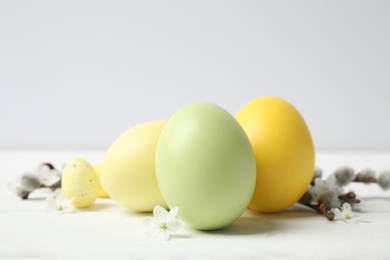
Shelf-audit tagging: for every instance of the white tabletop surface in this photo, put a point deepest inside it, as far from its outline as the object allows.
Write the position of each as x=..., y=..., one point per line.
x=108, y=230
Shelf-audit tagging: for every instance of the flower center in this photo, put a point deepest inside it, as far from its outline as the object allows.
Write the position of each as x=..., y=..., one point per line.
x=163, y=226
x=59, y=207
x=347, y=216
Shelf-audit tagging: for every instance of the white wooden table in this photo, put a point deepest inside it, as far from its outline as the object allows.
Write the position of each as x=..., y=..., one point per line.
x=108, y=230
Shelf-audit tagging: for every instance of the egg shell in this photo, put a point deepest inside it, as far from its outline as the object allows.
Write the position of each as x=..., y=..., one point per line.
x=205, y=165
x=284, y=152
x=80, y=181
x=128, y=172
x=102, y=193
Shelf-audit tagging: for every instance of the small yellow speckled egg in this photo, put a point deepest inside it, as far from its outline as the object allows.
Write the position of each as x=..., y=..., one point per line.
x=81, y=182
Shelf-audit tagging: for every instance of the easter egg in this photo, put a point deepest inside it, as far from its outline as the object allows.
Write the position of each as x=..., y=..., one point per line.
x=205, y=165
x=128, y=173
x=102, y=193
x=80, y=181
x=283, y=149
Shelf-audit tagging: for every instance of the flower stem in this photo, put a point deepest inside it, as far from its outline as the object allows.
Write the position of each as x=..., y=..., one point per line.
x=320, y=208
x=51, y=167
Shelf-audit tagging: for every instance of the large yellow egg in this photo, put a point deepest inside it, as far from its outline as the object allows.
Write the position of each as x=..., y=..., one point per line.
x=284, y=152
x=128, y=172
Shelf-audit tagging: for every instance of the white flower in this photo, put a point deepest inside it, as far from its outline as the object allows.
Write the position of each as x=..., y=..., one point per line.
x=17, y=189
x=346, y=214
x=162, y=223
x=323, y=187
x=47, y=176
x=59, y=204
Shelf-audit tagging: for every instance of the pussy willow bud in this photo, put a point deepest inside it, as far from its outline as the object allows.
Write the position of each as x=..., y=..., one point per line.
x=366, y=174
x=344, y=175
x=384, y=179
x=29, y=182
x=331, y=200
x=21, y=192
x=316, y=174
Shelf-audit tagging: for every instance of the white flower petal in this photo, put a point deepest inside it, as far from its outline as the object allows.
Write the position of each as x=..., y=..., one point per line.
x=47, y=176
x=160, y=213
x=162, y=223
x=172, y=215
x=346, y=207
x=346, y=214
x=175, y=227
x=71, y=200
x=153, y=232
x=163, y=235
x=15, y=188
x=59, y=212
x=43, y=167
x=150, y=222
x=338, y=214
x=66, y=202
x=59, y=205
x=348, y=219
x=61, y=196
x=51, y=201
x=50, y=181
x=352, y=214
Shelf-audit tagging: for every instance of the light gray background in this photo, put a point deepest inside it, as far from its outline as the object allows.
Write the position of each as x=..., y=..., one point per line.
x=77, y=74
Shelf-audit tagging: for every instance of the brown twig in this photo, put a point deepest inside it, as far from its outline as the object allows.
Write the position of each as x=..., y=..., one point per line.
x=359, y=179
x=320, y=208
x=26, y=196
x=327, y=212
x=349, y=197
x=51, y=167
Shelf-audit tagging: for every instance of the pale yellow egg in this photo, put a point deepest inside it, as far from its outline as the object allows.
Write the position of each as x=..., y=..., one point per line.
x=128, y=172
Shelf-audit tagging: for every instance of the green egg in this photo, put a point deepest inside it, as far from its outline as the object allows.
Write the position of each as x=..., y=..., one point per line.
x=205, y=165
